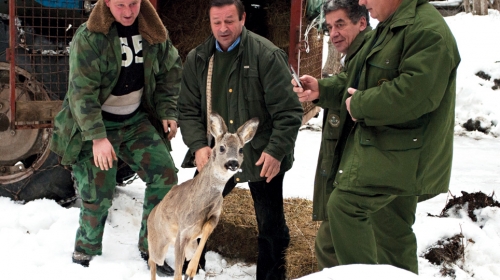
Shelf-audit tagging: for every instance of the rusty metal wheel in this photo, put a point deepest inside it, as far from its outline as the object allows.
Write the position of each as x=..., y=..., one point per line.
x=28, y=169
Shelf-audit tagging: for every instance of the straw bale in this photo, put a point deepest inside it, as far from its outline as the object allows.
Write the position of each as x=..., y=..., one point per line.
x=235, y=237
x=278, y=21
x=187, y=23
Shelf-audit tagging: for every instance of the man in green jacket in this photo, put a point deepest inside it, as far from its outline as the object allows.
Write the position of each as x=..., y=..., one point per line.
x=396, y=131
x=124, y=81
x=249, y=79
x=347, y=24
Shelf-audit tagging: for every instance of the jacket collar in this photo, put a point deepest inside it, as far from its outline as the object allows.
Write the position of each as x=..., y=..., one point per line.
x=150, y=26
x=357, y=43
x=405, y=14
x=206, y=49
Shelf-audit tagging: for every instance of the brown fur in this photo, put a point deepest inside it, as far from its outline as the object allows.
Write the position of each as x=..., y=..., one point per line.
x=191, y=210
x=150, y=24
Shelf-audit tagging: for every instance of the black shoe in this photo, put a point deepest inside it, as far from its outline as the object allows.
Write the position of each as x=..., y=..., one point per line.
x=201, y=263
x=81, y=258
x=161, y=270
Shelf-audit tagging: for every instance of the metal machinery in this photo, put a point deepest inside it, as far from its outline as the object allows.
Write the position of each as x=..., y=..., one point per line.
x=34, y=39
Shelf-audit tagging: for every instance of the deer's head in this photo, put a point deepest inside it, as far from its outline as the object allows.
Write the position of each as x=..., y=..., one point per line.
x=227, y=154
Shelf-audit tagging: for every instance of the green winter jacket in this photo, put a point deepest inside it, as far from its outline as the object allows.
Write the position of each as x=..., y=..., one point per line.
x=323, y=180
x=95, y=64
x=260, y=83
x=402, y=142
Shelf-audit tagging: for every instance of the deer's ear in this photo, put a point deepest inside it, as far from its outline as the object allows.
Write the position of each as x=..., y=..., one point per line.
x=217, y=125
x=248, y=129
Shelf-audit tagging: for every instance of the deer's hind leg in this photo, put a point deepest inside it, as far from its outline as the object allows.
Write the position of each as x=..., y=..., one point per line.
x=181, y=242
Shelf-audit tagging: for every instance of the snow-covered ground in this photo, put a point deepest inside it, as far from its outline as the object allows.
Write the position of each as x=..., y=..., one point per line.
x=37, y=238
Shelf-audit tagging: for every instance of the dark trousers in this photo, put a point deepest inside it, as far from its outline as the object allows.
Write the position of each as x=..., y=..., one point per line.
x=274, y=237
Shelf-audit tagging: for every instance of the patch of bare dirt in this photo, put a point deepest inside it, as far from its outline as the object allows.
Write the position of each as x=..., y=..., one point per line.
x=469, y=202
x=487, y=77
x=450, y=251
x=447, y=253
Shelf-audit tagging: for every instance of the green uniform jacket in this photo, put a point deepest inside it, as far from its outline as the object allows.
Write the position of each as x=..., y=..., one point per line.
x=95, y=64
x=323, y=181
x=402, y=143
x=260, y=83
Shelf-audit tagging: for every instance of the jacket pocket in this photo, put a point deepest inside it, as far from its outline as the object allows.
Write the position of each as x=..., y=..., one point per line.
x=383, y=68
x=388, y=157
x=86, y=187
x=253, y=87
x=261, y=139
x=66, y=140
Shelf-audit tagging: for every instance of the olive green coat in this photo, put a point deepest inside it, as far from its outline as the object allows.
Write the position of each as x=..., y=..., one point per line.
x=95, y=64
x=260, y=83
x=402, y=142
x=323, y=181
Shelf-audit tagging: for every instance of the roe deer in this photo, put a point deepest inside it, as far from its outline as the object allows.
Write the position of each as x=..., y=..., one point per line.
x=191, y=210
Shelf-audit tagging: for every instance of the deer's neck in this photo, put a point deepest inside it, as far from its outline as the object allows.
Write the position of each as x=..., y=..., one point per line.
x=213, y=177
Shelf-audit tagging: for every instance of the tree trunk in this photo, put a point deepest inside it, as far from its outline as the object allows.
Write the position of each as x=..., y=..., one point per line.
x=467, y=7
x=496, y=5
x=480, y=7
x=332, y=64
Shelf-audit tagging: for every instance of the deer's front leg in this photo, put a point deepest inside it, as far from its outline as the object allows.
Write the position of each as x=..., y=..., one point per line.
x=207, y=229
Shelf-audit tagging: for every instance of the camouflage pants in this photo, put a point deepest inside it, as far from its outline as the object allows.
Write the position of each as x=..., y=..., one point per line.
x=138, y=144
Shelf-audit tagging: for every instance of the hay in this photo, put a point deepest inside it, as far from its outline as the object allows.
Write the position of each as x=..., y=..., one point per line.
x=187, y=22
x=278, y=23
x=235, y=237
x=189, y=25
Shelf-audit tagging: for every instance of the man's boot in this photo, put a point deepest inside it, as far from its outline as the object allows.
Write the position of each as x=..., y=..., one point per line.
x=161, y=270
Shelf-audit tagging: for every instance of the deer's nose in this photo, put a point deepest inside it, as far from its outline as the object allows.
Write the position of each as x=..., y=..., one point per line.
x=232, y=165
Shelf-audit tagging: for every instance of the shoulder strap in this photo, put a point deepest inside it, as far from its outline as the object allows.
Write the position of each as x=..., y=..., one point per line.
x=209, y=97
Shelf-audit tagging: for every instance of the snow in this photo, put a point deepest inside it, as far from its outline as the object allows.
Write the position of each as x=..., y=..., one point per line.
x=37, y=238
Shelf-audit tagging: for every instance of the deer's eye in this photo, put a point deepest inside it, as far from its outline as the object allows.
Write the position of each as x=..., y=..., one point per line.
x=222, y=149
x=240, y=151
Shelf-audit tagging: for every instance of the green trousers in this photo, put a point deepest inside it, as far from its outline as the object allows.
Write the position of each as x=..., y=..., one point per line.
x=368, y=229
x=139, y=145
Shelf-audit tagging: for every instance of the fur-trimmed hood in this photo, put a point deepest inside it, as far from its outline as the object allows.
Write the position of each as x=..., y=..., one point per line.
x=150, y=25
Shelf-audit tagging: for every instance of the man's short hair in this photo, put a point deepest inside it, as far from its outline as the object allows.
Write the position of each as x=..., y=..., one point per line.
x=220, y=3
x=353, y=10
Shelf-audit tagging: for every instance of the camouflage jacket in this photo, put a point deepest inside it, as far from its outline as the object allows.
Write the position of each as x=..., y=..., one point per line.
x=95, y=63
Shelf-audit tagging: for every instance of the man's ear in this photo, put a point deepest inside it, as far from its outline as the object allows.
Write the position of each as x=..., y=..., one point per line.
x=243, y=17
x=362, y=24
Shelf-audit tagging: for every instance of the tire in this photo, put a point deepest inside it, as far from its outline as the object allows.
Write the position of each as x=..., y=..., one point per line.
x=51, y=181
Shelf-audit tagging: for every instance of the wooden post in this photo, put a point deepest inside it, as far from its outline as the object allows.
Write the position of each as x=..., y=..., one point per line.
x=295, y=25
x=496, y=5
x=332, y=63
x=466, y=4
x=480, y=7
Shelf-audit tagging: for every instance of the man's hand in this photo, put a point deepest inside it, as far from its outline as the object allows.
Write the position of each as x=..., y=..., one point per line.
x=104, y=154
x=310, y=89
x=351, y=91
x=201, y=157
x=270, y=168
x=170, y=127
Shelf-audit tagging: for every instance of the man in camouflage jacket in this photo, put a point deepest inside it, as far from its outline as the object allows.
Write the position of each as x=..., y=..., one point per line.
x=124, y=82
